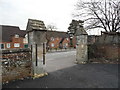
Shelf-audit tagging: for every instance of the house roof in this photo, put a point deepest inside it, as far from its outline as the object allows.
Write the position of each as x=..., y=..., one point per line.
x=56, y=34
x=9, y=31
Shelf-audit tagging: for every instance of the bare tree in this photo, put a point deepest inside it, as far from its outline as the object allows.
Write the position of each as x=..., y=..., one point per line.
x=51, y=27
x=103, y=14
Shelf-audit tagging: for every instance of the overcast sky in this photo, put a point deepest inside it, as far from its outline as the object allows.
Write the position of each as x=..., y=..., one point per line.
x=17, y=12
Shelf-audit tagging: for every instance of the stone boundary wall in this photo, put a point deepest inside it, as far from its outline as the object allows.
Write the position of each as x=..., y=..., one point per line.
x=105, y=38
x=106, y=46
x=106, y=51
x=108, y=39
x=16, y=64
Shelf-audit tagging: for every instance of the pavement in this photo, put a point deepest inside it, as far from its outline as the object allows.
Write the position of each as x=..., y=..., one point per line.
x=64, y=73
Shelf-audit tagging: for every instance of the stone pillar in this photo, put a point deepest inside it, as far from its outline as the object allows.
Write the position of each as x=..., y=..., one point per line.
x=82, y=52
x=76, y=28
x=36, y=37
x=0, y=58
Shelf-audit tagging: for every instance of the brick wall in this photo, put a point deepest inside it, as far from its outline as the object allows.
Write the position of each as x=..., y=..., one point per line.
x=17, y=40
x=16, y=64
x=66, y=43
x=54, y=42
x=13, y=41
x=74, y=41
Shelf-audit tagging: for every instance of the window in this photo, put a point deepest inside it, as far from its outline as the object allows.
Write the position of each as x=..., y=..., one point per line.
x=16, y=45
x=26, y=46
x=16, y=36
x=52, y=45
x=1, y=46
x=52, y=38
x=8, y=45
x=67, y=39
x=66, y=44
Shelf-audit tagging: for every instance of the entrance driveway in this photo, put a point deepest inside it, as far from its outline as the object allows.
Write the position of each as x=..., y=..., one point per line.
x=64, y=73
x=60, y=60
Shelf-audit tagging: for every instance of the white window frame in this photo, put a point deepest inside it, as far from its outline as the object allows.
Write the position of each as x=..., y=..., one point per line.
x=16, y=45
x=8, y=45
x=16, y=36
x=66, y=44
x=67, y=39
x=52, y=45
x=52, y=38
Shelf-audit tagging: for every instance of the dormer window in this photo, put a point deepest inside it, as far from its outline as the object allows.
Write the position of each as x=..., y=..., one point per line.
x=52, y=39
x=16, y=36
x=67, y=39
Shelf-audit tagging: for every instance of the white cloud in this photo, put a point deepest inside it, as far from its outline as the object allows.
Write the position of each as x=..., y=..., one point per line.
x=17, y=12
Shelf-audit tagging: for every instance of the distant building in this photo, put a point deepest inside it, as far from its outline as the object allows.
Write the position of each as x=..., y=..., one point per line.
x=12, y=37
x=56, y=39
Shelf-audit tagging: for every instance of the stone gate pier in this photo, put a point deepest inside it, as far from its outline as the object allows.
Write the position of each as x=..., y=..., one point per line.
x=76, y=28
x=82, y=52
x=82, y=49
x=36, y=31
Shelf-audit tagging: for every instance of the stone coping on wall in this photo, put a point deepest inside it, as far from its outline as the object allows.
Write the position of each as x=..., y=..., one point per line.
x=111, y=33
x=106, y=44
x=15, y=51
x=16, y=64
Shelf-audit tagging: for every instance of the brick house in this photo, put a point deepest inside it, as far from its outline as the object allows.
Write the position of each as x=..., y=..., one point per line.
x=65, y=43
x=57, y=39
x=74, y=42
x=12, y=37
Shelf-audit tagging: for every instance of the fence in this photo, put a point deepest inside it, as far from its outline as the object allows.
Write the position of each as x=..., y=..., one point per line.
x=16, y=64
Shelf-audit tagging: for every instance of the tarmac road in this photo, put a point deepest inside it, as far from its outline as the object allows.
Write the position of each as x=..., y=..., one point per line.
x=60, y=60
x=64, y=73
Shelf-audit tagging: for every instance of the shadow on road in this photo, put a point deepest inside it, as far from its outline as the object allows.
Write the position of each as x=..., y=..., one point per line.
x=78, y=76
